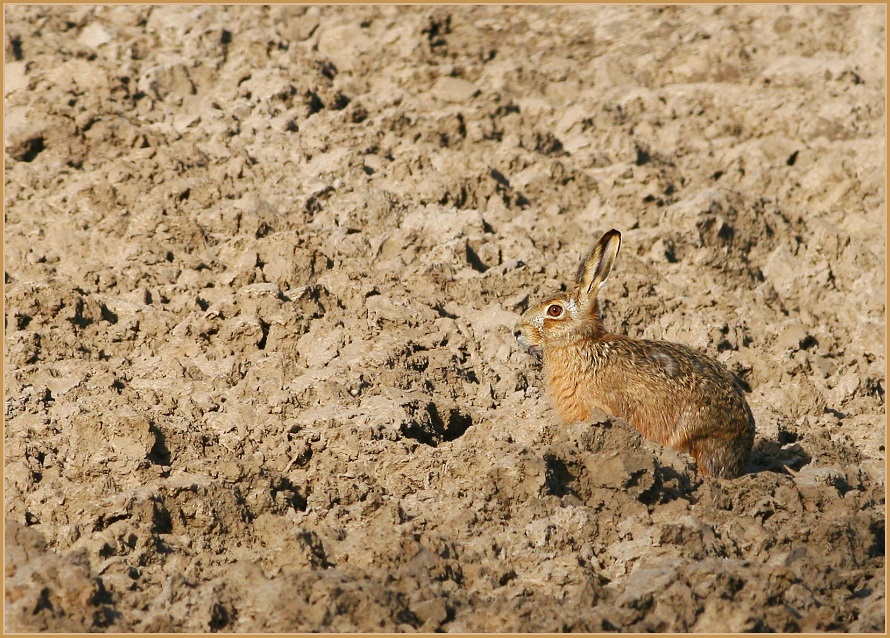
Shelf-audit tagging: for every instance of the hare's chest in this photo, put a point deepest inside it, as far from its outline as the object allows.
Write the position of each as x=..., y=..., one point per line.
x=577, y=386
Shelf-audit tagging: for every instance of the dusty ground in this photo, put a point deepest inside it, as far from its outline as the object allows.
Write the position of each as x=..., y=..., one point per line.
x=261, y=269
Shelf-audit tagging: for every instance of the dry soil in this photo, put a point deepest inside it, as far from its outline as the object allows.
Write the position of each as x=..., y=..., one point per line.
x=262, y=265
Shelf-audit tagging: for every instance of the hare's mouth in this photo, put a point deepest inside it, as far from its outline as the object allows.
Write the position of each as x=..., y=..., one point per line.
x=525, y=345
x=529, y=348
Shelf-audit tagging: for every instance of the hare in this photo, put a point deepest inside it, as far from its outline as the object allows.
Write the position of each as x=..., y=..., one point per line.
x=668, y=392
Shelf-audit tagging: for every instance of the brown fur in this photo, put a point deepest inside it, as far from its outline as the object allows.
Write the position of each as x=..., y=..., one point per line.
x=670, y=393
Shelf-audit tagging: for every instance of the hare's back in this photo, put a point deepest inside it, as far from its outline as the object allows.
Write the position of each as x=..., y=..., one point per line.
x=671, y=365
x=669, y=384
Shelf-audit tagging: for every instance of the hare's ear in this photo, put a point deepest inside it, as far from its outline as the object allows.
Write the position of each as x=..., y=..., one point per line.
x=596, y=266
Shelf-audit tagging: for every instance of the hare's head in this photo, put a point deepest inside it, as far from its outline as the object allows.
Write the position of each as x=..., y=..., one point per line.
x=574, y=315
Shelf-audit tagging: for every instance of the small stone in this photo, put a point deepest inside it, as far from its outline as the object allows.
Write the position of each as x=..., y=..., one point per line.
x=454, y=89
x=791, y=337
x=811, y=476
x=94, y=36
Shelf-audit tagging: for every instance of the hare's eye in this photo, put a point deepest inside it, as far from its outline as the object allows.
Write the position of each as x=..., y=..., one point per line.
x=554, y=310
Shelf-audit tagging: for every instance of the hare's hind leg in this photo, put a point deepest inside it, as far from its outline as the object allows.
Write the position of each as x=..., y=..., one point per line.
x=720, y=457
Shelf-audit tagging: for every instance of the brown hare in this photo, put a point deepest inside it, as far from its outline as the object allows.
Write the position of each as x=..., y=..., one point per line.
x=668, y=392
